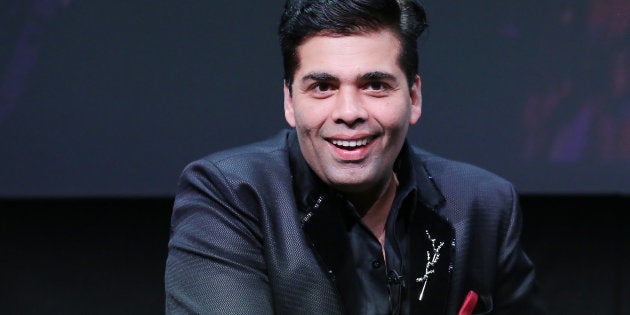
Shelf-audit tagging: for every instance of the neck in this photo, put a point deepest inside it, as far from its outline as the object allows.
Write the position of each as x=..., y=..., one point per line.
x=376, y=214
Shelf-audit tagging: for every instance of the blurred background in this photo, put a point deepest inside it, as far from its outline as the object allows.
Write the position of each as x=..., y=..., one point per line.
x=102, y=104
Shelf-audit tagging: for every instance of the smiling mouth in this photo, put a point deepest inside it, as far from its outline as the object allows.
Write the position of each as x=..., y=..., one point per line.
x=351, y=144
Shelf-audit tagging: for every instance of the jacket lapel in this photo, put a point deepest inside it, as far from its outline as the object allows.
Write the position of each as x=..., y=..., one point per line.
x=429, y=261
x=327, y=232
x=431, y=241
x=431, y=247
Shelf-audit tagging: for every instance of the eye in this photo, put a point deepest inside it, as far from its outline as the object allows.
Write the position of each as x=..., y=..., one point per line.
x=377, y=86
x=322, y=87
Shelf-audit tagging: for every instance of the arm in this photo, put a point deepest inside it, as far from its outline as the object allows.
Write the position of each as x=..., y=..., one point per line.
x=215, y=263
x=516, y=291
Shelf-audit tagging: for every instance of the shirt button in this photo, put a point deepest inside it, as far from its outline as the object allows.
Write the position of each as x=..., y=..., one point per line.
x=376, y=264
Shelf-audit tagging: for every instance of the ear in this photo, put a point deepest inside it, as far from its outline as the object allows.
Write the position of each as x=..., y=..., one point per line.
x=289, y=114
x=415, y=94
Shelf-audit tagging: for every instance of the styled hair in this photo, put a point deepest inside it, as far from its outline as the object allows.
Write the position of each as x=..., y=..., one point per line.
x=305, y=18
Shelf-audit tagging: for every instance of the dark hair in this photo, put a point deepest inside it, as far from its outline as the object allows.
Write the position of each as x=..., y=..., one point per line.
x=304, y=18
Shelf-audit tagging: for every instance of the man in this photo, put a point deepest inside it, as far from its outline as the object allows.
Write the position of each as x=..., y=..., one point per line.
x=341, y=215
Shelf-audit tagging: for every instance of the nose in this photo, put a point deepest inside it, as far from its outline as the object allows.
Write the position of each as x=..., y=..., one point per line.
x=348, y=108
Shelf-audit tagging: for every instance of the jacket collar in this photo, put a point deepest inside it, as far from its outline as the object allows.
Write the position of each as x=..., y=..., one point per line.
x=308, y=188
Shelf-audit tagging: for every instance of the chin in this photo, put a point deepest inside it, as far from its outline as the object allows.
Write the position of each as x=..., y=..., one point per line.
x=352, y=185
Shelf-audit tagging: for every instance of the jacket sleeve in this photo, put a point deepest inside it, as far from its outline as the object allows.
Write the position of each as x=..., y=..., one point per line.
x=517, y=289
x=215, y=261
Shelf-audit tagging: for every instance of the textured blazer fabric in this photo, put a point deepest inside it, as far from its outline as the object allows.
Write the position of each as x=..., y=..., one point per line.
x=238, y=242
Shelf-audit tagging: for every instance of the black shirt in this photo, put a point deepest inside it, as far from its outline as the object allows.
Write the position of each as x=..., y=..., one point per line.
x=380, y=283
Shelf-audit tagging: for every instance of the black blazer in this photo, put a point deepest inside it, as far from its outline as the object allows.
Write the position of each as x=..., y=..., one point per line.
x=251, y=234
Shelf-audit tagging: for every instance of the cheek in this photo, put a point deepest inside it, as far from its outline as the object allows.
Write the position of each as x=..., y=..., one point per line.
x=301, y=121
x=393, y=118
x=310, y=117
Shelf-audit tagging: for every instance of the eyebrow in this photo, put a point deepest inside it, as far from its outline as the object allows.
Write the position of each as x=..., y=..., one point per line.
x=370, y=76
x=377, y=75
x=319, y=76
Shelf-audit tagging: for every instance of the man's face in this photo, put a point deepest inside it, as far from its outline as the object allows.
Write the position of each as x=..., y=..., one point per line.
x=351, y=106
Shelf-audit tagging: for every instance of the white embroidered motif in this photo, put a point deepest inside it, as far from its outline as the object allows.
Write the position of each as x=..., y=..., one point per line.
x=432, y=259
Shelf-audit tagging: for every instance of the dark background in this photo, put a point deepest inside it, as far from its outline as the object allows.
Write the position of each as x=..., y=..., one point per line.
x=102, y=103
x=107, y=256
x=113, y=98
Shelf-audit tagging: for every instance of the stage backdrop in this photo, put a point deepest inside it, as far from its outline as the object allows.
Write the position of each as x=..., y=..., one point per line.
x=114, y=98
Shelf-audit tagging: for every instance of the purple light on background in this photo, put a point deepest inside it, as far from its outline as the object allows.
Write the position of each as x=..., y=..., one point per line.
x=26, y=48
x=587, y=120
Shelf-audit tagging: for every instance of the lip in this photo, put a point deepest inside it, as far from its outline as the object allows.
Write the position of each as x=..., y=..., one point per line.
x=350, y=148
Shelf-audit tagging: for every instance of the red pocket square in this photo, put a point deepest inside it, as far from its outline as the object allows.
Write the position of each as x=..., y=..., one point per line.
x=469, y=303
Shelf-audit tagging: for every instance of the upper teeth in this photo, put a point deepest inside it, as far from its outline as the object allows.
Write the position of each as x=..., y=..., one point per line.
x=351, y=143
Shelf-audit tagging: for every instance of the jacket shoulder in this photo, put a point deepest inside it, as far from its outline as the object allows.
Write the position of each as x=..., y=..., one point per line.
x=443, y=169
x=268, y=154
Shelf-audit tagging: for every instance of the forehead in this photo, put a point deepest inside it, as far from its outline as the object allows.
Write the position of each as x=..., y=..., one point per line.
x=370, y=51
